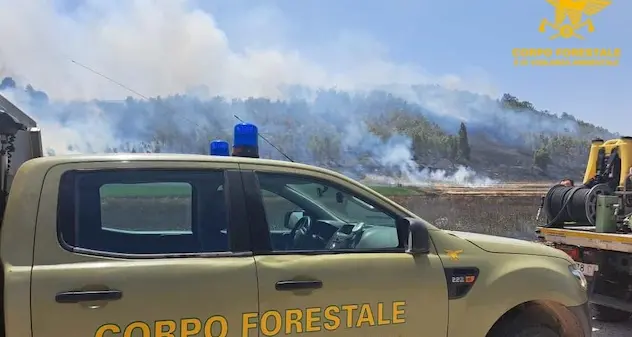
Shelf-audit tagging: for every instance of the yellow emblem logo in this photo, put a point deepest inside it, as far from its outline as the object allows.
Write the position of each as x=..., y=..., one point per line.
x=453, y=254
x=574, y=10
x=568, y=22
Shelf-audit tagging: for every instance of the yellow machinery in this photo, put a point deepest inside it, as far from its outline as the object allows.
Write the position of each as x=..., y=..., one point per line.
x=592, y=223
x=601, y=153
x=608, y=173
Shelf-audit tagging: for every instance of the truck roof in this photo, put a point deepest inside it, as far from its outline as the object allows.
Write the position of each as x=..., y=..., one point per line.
x=44, y=162
x=74, y=158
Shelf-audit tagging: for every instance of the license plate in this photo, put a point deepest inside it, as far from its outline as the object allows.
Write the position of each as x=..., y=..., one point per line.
x=587, y=269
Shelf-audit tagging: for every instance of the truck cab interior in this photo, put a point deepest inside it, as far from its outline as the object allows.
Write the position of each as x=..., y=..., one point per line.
x=324, y=218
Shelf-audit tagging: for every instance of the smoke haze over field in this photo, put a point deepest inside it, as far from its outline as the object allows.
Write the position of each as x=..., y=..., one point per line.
x=170, y=47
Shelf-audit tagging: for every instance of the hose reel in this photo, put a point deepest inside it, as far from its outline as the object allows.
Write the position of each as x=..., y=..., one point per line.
x=573, y=204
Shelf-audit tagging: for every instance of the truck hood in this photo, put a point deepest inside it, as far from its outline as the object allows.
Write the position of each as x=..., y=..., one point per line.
x=497, y=244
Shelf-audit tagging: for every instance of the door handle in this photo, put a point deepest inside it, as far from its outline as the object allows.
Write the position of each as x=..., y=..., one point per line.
x=77, y=296
x=290, y=285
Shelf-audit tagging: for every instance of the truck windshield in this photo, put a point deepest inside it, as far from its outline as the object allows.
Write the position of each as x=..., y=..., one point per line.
x=345, y=206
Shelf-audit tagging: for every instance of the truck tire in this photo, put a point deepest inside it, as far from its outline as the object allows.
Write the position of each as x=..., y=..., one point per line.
x=606, y=314
x=521, y=327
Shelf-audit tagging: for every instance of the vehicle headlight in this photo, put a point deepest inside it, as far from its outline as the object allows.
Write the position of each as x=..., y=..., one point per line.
x=579, y=276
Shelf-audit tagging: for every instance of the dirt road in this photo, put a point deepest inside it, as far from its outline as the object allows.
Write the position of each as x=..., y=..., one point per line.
x=612, y=329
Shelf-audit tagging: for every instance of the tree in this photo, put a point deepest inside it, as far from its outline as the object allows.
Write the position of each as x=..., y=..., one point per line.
x=453, y=147
x=417, y=147
x=542, y=158
x=463, y=144
x=325, y=150
x=511, y=102
x=7, y=83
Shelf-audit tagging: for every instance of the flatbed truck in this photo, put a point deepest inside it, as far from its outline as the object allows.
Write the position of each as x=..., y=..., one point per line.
x=591, y=223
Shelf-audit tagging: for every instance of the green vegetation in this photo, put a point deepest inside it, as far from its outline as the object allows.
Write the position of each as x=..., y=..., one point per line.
x=542, y=158
x=155, y=190
x=507, y=139
x=352, y=132
x=463, y=145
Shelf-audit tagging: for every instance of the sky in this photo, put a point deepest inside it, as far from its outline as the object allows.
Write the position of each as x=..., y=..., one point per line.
x=243, y=48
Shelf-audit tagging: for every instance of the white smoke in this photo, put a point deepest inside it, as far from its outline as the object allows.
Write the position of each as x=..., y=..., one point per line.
x=93, y=133
x=395, y=153
x=161, y=47
x=164, y=47
x=463, y=176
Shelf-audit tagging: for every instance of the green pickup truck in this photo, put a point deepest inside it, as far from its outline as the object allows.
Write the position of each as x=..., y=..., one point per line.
x=192, y=245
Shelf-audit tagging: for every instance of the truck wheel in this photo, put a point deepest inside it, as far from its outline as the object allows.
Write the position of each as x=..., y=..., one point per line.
x=522, y=328
x=606, y=314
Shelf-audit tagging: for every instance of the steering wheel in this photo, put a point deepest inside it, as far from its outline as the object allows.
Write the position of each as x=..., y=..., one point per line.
x=301, y=228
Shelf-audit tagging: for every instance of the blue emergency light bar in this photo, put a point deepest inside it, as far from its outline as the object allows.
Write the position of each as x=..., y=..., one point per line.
x=246, y=140
x=219, y=148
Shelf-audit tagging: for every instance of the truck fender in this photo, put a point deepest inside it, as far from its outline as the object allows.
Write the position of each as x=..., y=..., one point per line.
x=509, y=287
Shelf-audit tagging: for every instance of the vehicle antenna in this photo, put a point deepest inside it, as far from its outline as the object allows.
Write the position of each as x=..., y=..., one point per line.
x=168, y=107
x=267, y=141
x=129, y=89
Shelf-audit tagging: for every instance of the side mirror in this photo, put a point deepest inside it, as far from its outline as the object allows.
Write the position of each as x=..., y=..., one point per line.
x=418, y=238
x=291, y=218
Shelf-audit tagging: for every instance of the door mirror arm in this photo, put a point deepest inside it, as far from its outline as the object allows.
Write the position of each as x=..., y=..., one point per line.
x=416, y=236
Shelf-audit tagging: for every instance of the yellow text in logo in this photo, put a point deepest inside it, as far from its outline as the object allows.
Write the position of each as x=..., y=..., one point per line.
x=269, y=323
x=568, y=23
x=566, y=57
x=330, y=318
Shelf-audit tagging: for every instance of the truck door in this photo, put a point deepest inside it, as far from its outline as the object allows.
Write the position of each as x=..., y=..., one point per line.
x=322, y=279
x=142, y=251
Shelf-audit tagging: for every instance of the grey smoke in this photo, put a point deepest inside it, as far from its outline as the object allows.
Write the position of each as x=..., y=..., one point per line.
x=166, y=48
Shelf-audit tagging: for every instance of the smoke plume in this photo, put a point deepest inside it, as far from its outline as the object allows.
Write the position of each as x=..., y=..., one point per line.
x=115, y=74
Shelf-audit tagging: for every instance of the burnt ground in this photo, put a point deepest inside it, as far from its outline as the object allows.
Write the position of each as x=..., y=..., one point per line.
x=503, y=215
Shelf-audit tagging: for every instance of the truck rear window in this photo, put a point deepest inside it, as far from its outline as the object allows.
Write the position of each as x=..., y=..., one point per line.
x=143, y=211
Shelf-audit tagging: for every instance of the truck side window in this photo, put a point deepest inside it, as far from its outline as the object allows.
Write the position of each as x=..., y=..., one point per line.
x=144, y=211
x=276, y=208
x=331, y=209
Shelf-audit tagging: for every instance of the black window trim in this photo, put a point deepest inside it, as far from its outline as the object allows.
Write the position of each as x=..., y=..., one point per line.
x=256, y=215
x=259, y=223
x=238, y=227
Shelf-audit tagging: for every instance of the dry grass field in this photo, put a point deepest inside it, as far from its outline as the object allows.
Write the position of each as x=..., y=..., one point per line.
x=505, y=210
